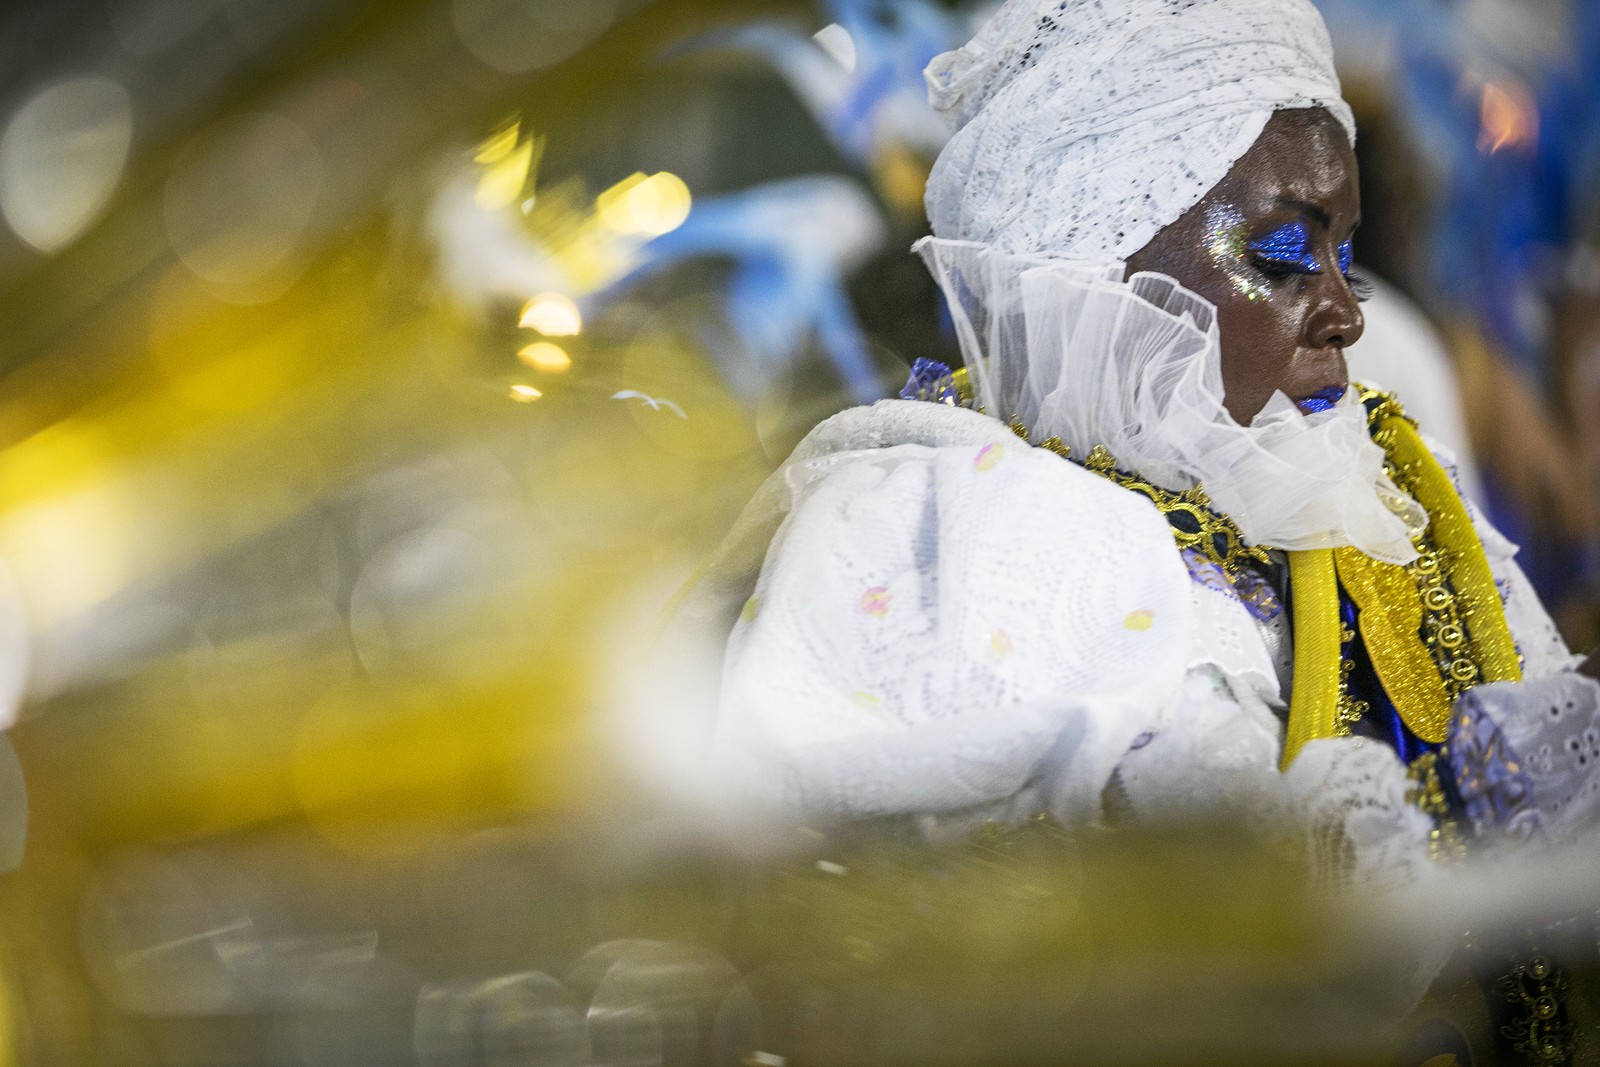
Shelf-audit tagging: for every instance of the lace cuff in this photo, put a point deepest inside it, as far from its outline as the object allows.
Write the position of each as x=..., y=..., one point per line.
x=1523, y=758
x=1350, y=796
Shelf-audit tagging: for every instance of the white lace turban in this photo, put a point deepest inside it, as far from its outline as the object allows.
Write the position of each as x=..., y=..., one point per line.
x=1083, y=127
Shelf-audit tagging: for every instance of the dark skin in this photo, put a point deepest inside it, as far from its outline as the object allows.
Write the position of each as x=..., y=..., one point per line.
x=1292, y=334
x=1281, y=329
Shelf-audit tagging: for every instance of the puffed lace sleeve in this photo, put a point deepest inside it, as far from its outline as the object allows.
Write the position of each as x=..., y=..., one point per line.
x=960, y=630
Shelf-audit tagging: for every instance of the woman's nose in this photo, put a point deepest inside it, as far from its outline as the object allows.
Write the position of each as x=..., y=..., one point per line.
x=1335, y=320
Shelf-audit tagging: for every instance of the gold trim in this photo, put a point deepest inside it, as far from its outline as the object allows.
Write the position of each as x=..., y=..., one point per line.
x=1477, y=602
x=1314, y=700
x=962, y=381
x=1427, y=793
x=1391, y=621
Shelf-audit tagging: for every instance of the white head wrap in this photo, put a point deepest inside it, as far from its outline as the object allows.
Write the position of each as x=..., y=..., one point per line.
x=1084, y=128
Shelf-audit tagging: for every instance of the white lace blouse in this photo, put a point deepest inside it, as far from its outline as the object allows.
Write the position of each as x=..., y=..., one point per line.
x=953, y=625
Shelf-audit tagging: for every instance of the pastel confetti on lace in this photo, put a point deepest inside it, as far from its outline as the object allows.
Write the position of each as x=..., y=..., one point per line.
x=876, y=601
x=1139, y=620
x=988, y=456
x=1000, y=642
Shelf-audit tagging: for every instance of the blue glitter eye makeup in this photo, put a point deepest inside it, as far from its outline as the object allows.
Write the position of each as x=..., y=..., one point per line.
x=1288, y=247
x=1252, y=263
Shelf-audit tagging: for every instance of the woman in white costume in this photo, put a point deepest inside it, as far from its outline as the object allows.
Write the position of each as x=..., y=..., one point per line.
x=1150, y=554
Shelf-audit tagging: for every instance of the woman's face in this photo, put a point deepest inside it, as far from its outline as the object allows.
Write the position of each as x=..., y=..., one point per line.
x=1270, y=246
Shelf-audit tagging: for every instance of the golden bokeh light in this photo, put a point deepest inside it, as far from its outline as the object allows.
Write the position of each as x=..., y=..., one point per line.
x=525, y=394
x=552, y=314
x=546, y=357
x=502, y=181
x=501, y=143
x=645, y=206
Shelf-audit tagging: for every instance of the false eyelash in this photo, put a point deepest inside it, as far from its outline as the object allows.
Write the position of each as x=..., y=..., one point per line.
x=1277, y=269
x=1360, y=285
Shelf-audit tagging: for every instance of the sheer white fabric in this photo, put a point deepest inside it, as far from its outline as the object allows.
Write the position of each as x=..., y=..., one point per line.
x=1074, y=352
x=1083, y=128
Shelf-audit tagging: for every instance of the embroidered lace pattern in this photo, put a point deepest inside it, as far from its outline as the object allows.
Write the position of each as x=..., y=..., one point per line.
x=944, y=626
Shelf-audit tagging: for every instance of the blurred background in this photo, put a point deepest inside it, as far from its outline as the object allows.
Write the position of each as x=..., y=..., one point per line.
x=376, y=371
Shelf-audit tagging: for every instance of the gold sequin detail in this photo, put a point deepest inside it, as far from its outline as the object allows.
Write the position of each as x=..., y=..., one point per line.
x=1450, y=633
x=1350, y=710
x=1392, y=624
x=962, y=381
x=1445, y=840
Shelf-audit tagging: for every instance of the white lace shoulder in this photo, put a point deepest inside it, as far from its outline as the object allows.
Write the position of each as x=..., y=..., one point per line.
x=949, y=622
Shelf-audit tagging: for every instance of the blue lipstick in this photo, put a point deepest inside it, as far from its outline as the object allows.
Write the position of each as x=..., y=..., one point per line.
x=1322, y=400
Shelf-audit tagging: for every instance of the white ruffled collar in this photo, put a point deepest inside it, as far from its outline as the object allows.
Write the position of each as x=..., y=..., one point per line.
x=1075, y=351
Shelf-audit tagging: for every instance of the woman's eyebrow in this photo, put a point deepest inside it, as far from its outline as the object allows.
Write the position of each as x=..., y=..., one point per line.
x=1310, y=210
